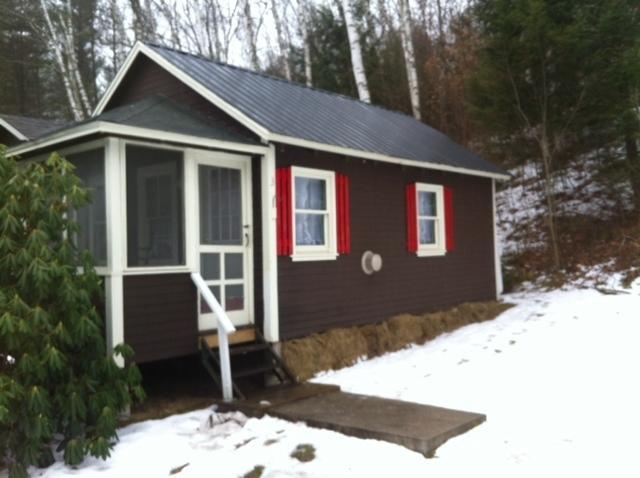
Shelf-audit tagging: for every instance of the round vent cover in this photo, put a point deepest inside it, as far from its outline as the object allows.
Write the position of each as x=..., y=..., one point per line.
x=371, y=262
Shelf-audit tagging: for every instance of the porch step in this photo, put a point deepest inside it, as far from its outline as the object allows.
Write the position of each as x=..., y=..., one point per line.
x=248, y=348
x=255, y=365
x=240, y=336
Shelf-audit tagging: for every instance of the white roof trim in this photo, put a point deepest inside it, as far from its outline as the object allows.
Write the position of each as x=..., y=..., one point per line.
x=106, y=128
x=9, y=127
x=381, y=157
x=262, y=132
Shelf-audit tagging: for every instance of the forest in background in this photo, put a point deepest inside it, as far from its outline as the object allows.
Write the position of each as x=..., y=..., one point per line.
x=538, y=82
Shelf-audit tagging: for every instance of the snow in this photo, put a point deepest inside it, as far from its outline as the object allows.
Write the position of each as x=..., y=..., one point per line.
x=556, y=376
x=521, y=206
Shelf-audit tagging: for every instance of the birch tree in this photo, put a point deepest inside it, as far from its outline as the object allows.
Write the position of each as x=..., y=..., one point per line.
x=409, y=58
x=356, y=52
x=303, y=15
x=60, y=36
x=282, y=40
x=250, y=35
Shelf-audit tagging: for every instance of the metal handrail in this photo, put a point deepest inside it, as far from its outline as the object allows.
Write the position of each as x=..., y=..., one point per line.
x=225, y=327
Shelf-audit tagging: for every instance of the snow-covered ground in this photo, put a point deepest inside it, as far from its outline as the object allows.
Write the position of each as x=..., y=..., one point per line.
x=556, y=376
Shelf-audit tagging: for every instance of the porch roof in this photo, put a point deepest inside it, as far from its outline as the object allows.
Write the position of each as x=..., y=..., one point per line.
x=155, y=114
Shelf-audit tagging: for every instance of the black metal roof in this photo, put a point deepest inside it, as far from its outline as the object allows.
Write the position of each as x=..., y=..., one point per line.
x=32, y=128
x=297, y=111
x=161, y=114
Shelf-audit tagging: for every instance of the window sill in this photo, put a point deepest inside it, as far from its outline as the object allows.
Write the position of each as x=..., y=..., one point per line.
x=314, y=257
x=156, y=270
x=431, y=253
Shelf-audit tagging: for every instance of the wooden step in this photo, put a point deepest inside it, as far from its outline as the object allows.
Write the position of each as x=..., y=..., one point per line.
x=248, y=348
x=249, y=371
x=240, y=336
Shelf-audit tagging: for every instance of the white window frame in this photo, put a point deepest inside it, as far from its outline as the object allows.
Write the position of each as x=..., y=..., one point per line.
x=154, y=269
x=329, y=251
x=439, y=248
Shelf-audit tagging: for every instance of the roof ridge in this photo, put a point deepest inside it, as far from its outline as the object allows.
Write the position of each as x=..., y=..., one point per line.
x=283, y=80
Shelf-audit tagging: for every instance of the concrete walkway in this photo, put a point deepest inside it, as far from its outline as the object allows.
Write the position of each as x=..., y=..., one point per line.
x=421, y=428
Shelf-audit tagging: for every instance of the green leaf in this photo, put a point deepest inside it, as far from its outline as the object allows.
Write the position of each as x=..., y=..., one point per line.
x=74, y=451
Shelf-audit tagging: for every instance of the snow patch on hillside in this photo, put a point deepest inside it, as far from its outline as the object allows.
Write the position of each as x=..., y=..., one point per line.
x=521, y=204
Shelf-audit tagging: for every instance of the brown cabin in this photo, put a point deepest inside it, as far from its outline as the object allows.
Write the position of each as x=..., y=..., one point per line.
x=301, y=209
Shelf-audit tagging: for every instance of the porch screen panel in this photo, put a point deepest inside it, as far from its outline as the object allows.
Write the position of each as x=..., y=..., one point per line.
x=155, y=210
x=220, y=206
x=92, y=218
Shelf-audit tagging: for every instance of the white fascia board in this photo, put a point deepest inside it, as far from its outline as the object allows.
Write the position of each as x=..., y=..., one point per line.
x=188, y=80
x=115, y=83
x=9, y=127
x=101, y=127
x=260, y=130
x=381, y=157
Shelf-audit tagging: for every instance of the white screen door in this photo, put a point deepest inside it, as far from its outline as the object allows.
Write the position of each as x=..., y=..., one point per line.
x=225, y=238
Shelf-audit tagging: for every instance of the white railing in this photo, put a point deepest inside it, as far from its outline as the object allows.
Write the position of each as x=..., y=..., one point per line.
x=225, y=327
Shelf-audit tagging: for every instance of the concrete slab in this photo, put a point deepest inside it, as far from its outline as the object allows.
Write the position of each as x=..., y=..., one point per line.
x=421, y=428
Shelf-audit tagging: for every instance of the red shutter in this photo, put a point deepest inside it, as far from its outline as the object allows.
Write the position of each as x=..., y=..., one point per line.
x=343, y=219
x=284, y=211
x=449, y=219
x=412, y=218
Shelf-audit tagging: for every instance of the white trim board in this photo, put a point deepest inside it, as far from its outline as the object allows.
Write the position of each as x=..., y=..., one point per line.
x=9, y=127
x=107, y=128
x=262, y=132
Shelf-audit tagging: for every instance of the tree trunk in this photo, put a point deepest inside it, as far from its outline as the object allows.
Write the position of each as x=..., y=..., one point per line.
x=303, y=21
x=633, y=165
x=549, y=191
x=409, y=58
x=55, y=41
x=282, y=41
x=356, y=52
x=250, y=36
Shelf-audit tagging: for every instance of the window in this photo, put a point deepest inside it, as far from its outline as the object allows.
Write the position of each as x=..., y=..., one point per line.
x=155, y=218
x=91, y=218
x=314, y=214
x=430, y=217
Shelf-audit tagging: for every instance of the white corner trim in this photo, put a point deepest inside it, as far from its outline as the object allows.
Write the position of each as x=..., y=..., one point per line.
x=106, y=128
x=9, y=127
x=269, y=246
x=497, y=248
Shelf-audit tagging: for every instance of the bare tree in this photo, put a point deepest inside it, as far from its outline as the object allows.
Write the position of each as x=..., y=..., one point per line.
x=356, y=52
x=250, y=35
x=409, y=57
x=61, y=36
x=303, y=14
x=282, y=40
x=144, y=23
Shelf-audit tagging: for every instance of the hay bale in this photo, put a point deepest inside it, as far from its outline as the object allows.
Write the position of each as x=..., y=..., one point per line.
x=405, y=329
x=342, y=347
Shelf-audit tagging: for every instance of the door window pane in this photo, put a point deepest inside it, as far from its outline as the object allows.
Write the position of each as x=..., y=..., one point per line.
x=234, y=297
x=220, y=205
x=427, y=231
x=155, y=217
x=204, y=308
x=233, y=265
x=310, y=229
x=92, y=217
x=310, y=194
x=427, y=204
x=210, y=266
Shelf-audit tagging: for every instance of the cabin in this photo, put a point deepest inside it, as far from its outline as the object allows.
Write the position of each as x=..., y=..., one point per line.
x=18, y=129
x=299, y=209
